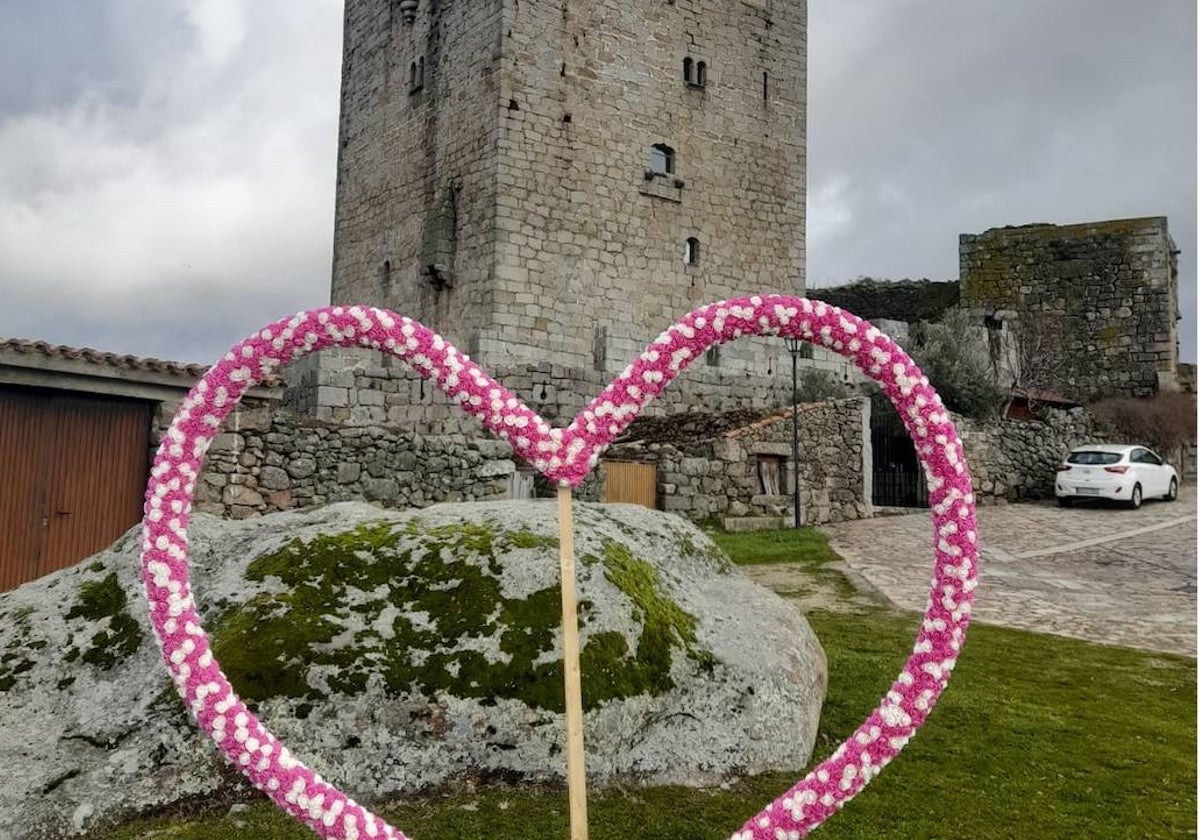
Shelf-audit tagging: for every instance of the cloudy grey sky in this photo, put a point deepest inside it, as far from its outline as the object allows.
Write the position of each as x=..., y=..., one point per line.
x=167, y=166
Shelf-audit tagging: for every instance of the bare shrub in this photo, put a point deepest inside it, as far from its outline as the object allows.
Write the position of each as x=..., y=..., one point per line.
x=1165, y=422
x=1034, y=358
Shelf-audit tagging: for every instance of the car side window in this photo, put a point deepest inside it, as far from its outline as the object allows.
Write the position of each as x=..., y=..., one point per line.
x=1149, y=457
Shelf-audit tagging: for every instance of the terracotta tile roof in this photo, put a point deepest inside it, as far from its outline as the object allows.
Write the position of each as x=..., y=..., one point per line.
x=771, y=419
x=690, y=427
x=100, y=357
x=120, y=361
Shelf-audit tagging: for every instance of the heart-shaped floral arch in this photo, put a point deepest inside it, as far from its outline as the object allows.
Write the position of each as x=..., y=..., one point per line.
x=565, y=456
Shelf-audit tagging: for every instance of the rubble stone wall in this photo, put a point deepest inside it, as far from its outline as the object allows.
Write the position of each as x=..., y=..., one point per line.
x=1017, y=460
x=719, y=480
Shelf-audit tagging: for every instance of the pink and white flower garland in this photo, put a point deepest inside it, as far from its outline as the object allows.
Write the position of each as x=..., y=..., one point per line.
x=562, y=455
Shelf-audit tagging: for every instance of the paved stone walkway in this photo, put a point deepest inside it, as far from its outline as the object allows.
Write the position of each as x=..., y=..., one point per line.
x=1108, y=575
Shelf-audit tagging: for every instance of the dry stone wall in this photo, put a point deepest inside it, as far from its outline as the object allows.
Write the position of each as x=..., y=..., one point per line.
x=267, y=459
x=1017, y=460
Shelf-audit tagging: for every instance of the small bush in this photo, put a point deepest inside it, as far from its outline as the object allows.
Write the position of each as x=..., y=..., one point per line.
x=954, y=354
x=1165, y=422
x=819, y=386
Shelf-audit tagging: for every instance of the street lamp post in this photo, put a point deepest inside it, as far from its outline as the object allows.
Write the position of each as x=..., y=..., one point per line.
x=793, y=347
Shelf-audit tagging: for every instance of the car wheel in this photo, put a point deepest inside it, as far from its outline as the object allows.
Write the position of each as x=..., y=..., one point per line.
x=1064, y=501
x=1135, y=498
x=1173, y=492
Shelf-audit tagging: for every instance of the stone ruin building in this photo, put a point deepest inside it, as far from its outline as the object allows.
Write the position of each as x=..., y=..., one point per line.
x=1100, y=299
x=1092, y=308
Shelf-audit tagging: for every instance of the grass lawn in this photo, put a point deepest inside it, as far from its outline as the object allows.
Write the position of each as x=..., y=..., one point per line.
x=806, y=545
x=1036, y=737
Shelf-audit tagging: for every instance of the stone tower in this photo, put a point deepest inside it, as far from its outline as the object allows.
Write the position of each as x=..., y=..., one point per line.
x=560, y=180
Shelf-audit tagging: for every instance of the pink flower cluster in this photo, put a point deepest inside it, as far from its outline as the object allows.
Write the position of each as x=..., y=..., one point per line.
x=566, y=456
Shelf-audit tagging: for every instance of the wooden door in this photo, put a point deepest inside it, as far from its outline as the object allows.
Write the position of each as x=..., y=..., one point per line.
x=629, y=482
x=79, y=466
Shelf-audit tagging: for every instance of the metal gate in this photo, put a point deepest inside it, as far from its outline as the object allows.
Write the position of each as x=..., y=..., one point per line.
x=74, y=471
x=625, y=481
x=897, y=479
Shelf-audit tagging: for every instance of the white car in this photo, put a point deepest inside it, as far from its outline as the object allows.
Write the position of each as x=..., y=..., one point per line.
x=1124, y=473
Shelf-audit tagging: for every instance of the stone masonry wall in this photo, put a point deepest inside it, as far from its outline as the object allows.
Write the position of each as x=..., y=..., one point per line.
x=1017, y=460
x=718, y=479
x=416, y=176
x=590, y=248
x=265, y=459
x=365, y=387
x=1106, y=291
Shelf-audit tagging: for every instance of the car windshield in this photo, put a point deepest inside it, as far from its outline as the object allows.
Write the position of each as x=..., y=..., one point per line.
x=1093, y=458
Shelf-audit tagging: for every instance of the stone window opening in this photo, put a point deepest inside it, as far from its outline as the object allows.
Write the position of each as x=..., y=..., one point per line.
x=770, y=475
x=416, y=75
x=766, y=87
x=521, y=485
x=385, y=277
x=662, y=160
x=712, y=356
x=701, y=74
x=691, y=251
x=695, y=73
x=688, y=71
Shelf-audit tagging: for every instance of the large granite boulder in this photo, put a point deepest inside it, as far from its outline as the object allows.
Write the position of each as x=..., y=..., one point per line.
x=394, y=651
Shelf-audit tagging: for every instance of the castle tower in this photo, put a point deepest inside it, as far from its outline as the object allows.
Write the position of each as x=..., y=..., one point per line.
x=559, y=181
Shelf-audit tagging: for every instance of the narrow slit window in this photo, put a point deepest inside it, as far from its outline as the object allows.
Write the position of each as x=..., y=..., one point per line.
x=691, y=251
x=766, y=86
x=701, y=74
x=687, y=70
x=662, y=159
x=416, y=75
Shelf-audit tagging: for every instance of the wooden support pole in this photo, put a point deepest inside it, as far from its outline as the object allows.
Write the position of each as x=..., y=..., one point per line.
x=576, y=772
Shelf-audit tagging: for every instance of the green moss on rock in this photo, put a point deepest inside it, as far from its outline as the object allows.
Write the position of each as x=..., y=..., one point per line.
x=100, y=600
x=665, y=625
x=400, y=603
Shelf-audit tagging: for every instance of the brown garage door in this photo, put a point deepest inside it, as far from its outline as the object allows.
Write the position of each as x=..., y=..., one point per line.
x=72, y=473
